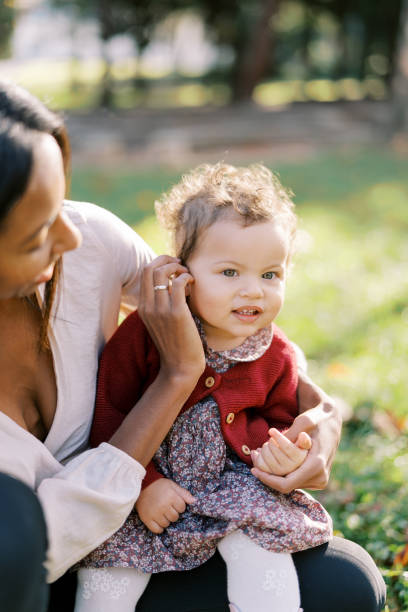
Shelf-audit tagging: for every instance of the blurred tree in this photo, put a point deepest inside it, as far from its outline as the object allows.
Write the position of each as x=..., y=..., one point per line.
x=247, y=27
x=113, y=18
x=137, y=18
x=7, y=15
x=256, y=53
x=366, y=35
x=330, y=38
x=400, y=82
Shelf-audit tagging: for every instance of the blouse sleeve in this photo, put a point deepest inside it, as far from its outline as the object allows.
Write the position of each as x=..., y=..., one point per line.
x=85, y=502
x=123, y=247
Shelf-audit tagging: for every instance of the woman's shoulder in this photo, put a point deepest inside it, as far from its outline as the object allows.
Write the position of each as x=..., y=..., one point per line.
x=100, y=227
x=91, y=215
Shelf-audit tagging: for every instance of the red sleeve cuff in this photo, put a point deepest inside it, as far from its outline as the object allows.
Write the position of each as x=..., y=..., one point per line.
x=151, y=475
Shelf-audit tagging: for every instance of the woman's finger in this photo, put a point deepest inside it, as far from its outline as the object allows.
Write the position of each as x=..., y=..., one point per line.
x=168, y=319
x=299, y=478
x=178, y=289
x=147, y=282
x=306, y=421
x=164, y=273
x=274, y=482
x=304, y=441
x=165, y=280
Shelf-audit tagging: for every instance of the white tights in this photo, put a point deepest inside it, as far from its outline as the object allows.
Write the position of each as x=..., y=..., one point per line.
x=258, y=581
x=113, y=589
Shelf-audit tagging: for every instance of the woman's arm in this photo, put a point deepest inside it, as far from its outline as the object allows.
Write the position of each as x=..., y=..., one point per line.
x=320, y=418
x=170, y=324
x=88, y=499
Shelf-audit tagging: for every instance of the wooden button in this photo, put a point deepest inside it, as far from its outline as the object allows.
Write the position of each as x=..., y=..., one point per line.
x=245, y=449
x=230, y=417
x=209, y=382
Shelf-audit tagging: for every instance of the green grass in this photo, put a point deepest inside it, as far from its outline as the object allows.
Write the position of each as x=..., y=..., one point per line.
x=347, y=306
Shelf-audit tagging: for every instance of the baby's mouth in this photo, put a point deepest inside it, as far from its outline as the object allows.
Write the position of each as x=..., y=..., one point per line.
x=248, y=313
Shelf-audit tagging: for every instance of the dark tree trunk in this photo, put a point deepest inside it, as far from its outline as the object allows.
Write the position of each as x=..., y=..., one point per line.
x=400, y=81
x=306, y=37
x=105, y=18
x=392, y=34
x=257, y=53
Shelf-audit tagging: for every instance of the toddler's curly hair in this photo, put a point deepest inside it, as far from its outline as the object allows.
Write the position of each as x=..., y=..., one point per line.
x=210, y=192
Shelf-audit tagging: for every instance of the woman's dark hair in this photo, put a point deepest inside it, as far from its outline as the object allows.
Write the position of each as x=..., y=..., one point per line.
x=22, y=118
x=19, y=106
x=16, y=160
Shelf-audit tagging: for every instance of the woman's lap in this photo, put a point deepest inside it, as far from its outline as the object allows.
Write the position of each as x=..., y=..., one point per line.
x=23, y=544
x=339, y=576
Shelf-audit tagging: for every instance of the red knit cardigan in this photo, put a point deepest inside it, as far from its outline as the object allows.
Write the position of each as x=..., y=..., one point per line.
x=252, y=396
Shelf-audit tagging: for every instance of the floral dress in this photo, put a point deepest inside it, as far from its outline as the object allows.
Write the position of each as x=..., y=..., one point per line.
x=228, y=496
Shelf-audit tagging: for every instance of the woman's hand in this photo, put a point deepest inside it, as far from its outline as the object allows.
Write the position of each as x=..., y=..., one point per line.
x=321, y=419
x=279, y=456
x=168, y=319
x=161, y=503
x=171, y=326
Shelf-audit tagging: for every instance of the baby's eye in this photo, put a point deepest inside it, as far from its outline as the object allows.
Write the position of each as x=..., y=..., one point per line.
x=229, y=272
x=269, y=275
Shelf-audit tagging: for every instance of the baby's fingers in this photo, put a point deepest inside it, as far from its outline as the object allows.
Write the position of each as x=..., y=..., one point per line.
x=154, y=527
x=182, y=497
x=292, y=451
x=172, y=515
x=258, y=460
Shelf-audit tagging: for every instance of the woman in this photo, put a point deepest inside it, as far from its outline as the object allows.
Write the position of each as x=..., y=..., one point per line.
x=54, y=321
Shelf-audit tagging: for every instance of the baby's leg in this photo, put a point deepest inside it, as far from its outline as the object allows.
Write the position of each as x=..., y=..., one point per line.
x=257, y=578
x=113, y=589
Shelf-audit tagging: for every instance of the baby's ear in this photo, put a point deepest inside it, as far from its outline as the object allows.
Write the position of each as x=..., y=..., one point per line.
x=188, y=285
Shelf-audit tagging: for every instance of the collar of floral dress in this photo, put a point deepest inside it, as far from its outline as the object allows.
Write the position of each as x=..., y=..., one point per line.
x=251, y=349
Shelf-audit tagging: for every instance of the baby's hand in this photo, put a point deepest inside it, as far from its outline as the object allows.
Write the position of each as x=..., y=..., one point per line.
x=161, y=503
x=279, y=456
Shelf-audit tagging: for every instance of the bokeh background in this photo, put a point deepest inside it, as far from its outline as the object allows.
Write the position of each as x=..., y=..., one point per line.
x=318, y=91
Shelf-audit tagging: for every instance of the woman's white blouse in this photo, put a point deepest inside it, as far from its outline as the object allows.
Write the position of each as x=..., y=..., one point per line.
x=86, y=495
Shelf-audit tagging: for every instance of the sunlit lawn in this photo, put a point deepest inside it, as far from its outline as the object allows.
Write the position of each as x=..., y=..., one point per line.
x=347, y=306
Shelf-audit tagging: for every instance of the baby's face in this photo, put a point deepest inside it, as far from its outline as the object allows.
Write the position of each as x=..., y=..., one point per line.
x=239, y=275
